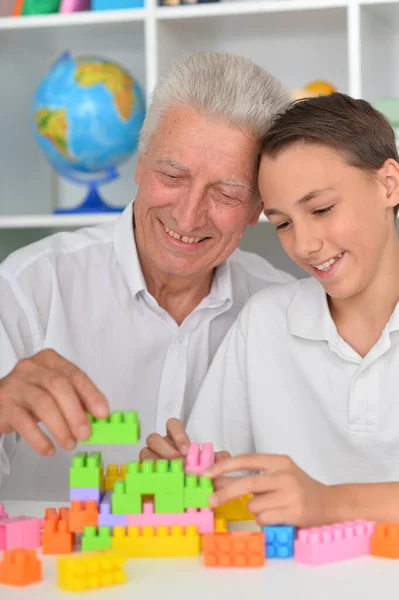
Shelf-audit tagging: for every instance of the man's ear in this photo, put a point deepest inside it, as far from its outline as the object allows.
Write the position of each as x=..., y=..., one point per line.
x=139, y=170
x=389, y=176
x=256, y=214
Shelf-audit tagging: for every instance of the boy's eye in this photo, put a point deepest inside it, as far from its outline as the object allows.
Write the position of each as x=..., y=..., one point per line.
x=322, y=211
x=282, y=226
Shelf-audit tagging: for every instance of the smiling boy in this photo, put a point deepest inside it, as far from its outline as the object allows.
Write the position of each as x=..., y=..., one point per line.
x=304, y=388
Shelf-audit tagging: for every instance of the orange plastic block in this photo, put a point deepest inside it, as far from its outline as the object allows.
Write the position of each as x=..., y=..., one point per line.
x=20, y=567
x=51, y=513
x=90, y=571
x=385, y=541
x=56, y=538
x=234, y=549
x=83, y=516
x=235, y=510
x=114, y=474
x=150, y=542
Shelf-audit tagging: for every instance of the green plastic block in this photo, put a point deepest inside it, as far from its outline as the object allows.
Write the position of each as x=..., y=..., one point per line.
x=197, y=491
x=117, y=428
x=123, y=503
x=168, y=503
x=40, y=7
x=153, y=477
x=96, y=540
x=86, y=470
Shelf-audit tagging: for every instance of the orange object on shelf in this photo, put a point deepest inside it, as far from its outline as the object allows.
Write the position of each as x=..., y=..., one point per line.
x=56, y=538
x=20, y=567
x=385, y=541
x=18, y=6
x=81, y=517
x=234, y=549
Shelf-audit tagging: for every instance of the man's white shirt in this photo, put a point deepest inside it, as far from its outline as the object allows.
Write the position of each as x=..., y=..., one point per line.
x=83, y=294
x=285, y=382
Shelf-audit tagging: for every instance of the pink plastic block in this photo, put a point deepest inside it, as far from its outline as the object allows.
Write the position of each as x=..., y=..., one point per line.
x=202, y=518
x=20, y=532
x=333, y=543
x=68, y=6
x=197, y=460
x=3, y=514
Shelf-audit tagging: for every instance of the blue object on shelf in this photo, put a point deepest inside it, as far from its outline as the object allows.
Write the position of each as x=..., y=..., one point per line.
x=279, y=541
x=116, y=4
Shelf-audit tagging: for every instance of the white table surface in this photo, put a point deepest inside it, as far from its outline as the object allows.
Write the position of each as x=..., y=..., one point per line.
x=187, y=579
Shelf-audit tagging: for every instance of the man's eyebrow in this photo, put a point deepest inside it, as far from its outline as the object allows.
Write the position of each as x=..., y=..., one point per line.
x=172, y=163
x=306, y=198
x=235, y=183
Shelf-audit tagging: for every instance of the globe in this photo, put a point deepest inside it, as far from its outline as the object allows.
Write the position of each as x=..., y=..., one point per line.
x=87, y=116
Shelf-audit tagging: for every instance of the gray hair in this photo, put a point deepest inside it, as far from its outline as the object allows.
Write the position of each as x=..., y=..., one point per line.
x=221, y=85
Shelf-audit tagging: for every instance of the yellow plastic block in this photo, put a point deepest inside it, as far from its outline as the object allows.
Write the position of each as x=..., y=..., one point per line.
x=114, y=474
x=235, y=510
x=159, y=542
x=90, y=571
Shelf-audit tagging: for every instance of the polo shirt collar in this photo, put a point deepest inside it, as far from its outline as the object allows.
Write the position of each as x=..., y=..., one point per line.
x=128, y=259
x=308, y=315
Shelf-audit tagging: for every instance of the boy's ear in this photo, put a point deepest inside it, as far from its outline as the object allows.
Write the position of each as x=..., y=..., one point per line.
x=390, y=179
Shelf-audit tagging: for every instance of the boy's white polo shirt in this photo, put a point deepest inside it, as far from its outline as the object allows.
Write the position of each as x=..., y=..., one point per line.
x=285, y=382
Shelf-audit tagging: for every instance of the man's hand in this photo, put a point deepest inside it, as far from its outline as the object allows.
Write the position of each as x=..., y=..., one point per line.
x=174, y=444
x=47, y=388
x=283, y=493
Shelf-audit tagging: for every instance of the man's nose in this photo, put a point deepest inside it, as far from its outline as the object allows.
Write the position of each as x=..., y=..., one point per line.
x=191, y=210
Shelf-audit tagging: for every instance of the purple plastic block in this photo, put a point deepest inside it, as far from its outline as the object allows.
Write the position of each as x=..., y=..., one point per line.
x=85, y=494
x=105, y=517
x=68, y=6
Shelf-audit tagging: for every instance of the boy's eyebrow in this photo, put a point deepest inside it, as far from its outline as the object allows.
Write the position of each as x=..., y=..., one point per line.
x=306, y=198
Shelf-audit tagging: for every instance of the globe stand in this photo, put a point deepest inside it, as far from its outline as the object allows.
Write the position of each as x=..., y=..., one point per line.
x=93, y=203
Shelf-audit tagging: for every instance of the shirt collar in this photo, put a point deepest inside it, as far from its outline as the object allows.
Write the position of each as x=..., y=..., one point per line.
x=126, y=254
x=308, y=315
x=126, y=251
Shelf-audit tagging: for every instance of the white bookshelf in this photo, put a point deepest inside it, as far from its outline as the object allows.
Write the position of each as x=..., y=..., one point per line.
x=352, y=43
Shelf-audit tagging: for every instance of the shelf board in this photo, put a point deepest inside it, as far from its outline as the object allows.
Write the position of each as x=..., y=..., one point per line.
x=71, y=19
x=244, y=7
x=54, y=221
x=61, y=221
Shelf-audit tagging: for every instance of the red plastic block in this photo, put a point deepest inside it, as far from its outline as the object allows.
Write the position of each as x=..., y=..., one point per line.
x=198, y=460
x=332, y=543
x=20, y=567
x=234, y=549
x=20, y=532
x=83, y=516
x=56, y=538
x=385, y=541
x=3, y=514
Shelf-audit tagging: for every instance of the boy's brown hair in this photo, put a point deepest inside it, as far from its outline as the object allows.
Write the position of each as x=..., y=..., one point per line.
x=353, y=127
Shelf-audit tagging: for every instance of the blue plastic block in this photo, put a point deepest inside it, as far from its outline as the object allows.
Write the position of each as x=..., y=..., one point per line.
x=279, y=541
x=116, y=4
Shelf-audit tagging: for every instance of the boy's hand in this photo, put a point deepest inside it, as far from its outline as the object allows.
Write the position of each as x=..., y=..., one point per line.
x=283, y=493
x=49, y=389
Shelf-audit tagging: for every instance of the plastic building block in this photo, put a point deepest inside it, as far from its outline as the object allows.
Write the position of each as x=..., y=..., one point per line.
x=160, y=542
x=279, y=541
x=20, y=567
x=89, y=572
x=82, y=516
x=235, y=510
x=117, y=428
x=86, y=470
x=123, y=503
x=3, y=514
x=197, y=491
x=106, y=518
x=203, y=519
x=198, y=460
x=57, y=538
x=40, y=7
x=96, y=539
x=85, y=494
x=234, y=549
x=116, y=4
x=333, y=543
x=112, y=475
x=51, y=514
x=68, y=6
x=385, y=541
x=20, y=532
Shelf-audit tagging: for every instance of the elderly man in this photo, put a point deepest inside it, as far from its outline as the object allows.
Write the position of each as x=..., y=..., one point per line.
x=129, y=316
